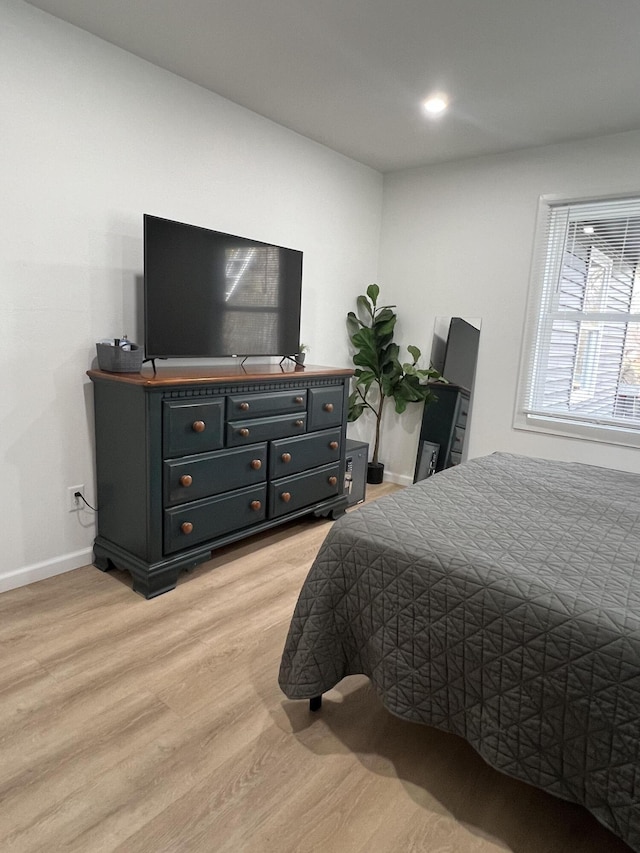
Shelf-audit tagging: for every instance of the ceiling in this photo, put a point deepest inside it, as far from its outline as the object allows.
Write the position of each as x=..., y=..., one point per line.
x=351, y=74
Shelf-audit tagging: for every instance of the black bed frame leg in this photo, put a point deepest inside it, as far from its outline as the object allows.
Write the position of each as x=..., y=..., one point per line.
x=315, y=703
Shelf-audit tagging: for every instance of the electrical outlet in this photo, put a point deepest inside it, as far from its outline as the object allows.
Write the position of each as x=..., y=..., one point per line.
x=74, y=503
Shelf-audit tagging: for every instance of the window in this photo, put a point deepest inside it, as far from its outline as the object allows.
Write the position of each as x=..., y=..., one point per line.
x=580, y=371
x=253, y=286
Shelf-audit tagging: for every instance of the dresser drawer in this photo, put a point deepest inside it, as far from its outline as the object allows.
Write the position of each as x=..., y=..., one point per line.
x=457, y=439
x=325, y=407
x=291, y=493
x=192, y=427
x=191, y=477
x=462, y=411
x=291, y=455
x=242, y=406
x=265, y=429
x=196, y=522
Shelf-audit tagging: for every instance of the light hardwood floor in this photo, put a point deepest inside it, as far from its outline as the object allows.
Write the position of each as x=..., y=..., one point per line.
x=155, y=726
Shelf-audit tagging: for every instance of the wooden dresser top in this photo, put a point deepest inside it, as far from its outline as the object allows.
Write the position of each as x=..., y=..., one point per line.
x=201, y=374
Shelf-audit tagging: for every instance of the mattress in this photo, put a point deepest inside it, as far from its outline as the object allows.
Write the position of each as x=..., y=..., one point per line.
x=498, y=600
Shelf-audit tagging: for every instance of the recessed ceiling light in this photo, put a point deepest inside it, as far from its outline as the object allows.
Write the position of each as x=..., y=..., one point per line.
x=435, y=104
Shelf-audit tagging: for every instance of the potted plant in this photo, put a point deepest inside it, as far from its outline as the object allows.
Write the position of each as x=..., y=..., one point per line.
x=379, y=373
x=301, y=354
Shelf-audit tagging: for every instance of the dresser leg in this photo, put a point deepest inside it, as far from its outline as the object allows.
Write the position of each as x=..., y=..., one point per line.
x=152, y=586
x=102, y=563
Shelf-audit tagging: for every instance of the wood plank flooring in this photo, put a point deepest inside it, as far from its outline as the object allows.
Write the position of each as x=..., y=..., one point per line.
x=155, y=726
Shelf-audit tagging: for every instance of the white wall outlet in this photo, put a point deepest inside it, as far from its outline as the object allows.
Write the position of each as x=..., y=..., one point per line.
x=74, y=503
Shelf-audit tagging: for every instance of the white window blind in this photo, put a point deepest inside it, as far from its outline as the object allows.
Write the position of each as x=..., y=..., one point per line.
x=581, y=359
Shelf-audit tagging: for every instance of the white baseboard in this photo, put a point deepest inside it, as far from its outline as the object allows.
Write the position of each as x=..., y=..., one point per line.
x=398, y=479
x=47, y=569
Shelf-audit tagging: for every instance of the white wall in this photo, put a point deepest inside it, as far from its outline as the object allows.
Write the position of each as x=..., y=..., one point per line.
x=92, y=138
x=457, y=240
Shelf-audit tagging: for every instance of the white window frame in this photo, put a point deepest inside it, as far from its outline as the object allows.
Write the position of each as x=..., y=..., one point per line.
x=545, y=273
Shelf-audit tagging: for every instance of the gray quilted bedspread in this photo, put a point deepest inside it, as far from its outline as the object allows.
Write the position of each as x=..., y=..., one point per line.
x=499, y=600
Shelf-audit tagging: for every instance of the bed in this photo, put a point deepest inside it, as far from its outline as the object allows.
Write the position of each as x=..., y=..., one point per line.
x=498, y=600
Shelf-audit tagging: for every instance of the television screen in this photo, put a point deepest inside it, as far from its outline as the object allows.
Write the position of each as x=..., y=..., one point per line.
x=461, y=353
x=211, y=295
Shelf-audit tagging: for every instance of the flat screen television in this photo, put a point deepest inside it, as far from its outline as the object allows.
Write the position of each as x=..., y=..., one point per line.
x=461, y=353
x=213, y=295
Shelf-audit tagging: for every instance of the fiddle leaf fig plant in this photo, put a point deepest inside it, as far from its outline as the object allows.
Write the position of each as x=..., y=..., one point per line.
x=379, y=374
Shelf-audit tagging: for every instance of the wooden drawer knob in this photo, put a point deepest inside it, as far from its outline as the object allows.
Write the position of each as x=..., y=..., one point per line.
x=198, y=426
x=244, y=432
x=255, y=505
x=328, y=407
x=286, y=457
x=186, y=480
x=298, y=423
x=285, y=496
x=299, y=400
x=244, y=407
x=333, y=481
x=186, y=527
x=333, y=445
x=256, y=464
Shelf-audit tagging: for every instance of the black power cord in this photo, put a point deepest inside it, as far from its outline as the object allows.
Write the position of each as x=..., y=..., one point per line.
x=82, y=498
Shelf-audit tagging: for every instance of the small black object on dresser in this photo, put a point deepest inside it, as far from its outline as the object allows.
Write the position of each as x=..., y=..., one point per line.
x=189, y=460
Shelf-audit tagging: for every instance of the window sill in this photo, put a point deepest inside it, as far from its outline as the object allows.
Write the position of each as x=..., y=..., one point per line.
x=625, y=437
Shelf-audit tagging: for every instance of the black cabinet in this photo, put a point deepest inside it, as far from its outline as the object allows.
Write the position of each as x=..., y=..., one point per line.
x=189, y=460
x=355, y=480
x=444, y=424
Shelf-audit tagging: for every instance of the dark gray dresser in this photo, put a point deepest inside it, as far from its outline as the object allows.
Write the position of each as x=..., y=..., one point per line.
x=189, y=460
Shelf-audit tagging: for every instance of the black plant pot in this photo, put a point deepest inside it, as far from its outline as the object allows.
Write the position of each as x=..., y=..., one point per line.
x=375, y=473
